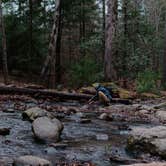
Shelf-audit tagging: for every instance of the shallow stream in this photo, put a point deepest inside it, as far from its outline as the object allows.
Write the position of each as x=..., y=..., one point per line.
x=93, y=141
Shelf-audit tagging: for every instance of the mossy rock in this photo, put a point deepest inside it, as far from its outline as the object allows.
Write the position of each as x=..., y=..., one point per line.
x=88, y=90
x=35, y=112
x=118, y=91
x=125, y=94
x=149, y=95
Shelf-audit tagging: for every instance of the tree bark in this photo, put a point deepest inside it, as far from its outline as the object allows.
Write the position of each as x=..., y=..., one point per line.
x=82, y=26
x=111, y=22
x=30, y=28
x=53, y=60
x=4, y=47
x=164, y=64
x=103, y=6
x=125, y=31
x=58, y=49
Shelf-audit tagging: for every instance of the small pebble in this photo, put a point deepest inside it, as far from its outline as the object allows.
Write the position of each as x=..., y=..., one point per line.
x=9, y=110
x=102, y=137
x=58, y=145
x=85, y=121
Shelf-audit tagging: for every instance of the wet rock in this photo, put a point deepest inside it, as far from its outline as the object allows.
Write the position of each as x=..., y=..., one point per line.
x=150, y=164
x=102, y=137
x=105, y=116
x=138, y=100
x=146, y=107
x=34, y=113
x=46, y=129
x=7, y=142
x=5, y=161
x=4, y=131
x=58, y=145
x=58, y=124
x=123, y=127
x=151, y=140
x=50, y=151
x=31, y=161
x=161, y=115
x=72, y=110
x=68, y=110
x=9, y=110
x=84, y=121
x=118, y=117
x=136, y=106
x=161, y=105
x=80, y=115
x=143, y=112
x=60, y=116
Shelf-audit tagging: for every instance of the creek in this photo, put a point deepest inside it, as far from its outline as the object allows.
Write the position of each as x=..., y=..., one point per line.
x=92, y=141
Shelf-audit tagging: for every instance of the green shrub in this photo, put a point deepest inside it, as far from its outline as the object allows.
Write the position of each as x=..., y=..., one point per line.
x=147, y=82
x=85, y=72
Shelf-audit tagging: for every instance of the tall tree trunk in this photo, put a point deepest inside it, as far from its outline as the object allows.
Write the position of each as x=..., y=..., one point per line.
x=30, y=28
x=103, y=6
x=125, y=31
x=4, y=47
x=164, y=64
x=54, y=47
x=82, y=26
x=19, y=7
x=58, y=49
x=111, y=23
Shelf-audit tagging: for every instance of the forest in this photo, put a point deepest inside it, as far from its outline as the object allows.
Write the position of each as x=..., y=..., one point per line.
x=82, y=82
x=80, y=42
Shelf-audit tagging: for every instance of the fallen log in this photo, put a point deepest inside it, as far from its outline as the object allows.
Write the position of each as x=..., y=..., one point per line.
x=41, y=93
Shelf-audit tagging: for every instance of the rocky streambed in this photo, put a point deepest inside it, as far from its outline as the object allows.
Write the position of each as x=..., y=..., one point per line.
x=92, y=134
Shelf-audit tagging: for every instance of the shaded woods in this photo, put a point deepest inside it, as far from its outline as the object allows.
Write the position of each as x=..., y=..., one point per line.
x=77, y=42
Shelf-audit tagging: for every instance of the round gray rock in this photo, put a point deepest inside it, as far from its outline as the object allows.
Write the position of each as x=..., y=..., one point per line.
x=46, y=129
x=161, y=115
x=105, y=116
x=31, y=161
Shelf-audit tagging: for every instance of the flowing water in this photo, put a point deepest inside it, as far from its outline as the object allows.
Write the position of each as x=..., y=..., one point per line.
x=92, y=142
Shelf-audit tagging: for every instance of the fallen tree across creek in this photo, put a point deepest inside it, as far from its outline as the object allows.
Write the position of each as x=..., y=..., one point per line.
x=41, y=93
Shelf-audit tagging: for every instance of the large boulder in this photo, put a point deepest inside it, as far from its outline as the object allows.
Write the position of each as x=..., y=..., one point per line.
x=161, y=115
x=31, y=161
x=117, y=91
x=46, y=129
x=151, y=140
x=34, y=113
x=149, y=164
